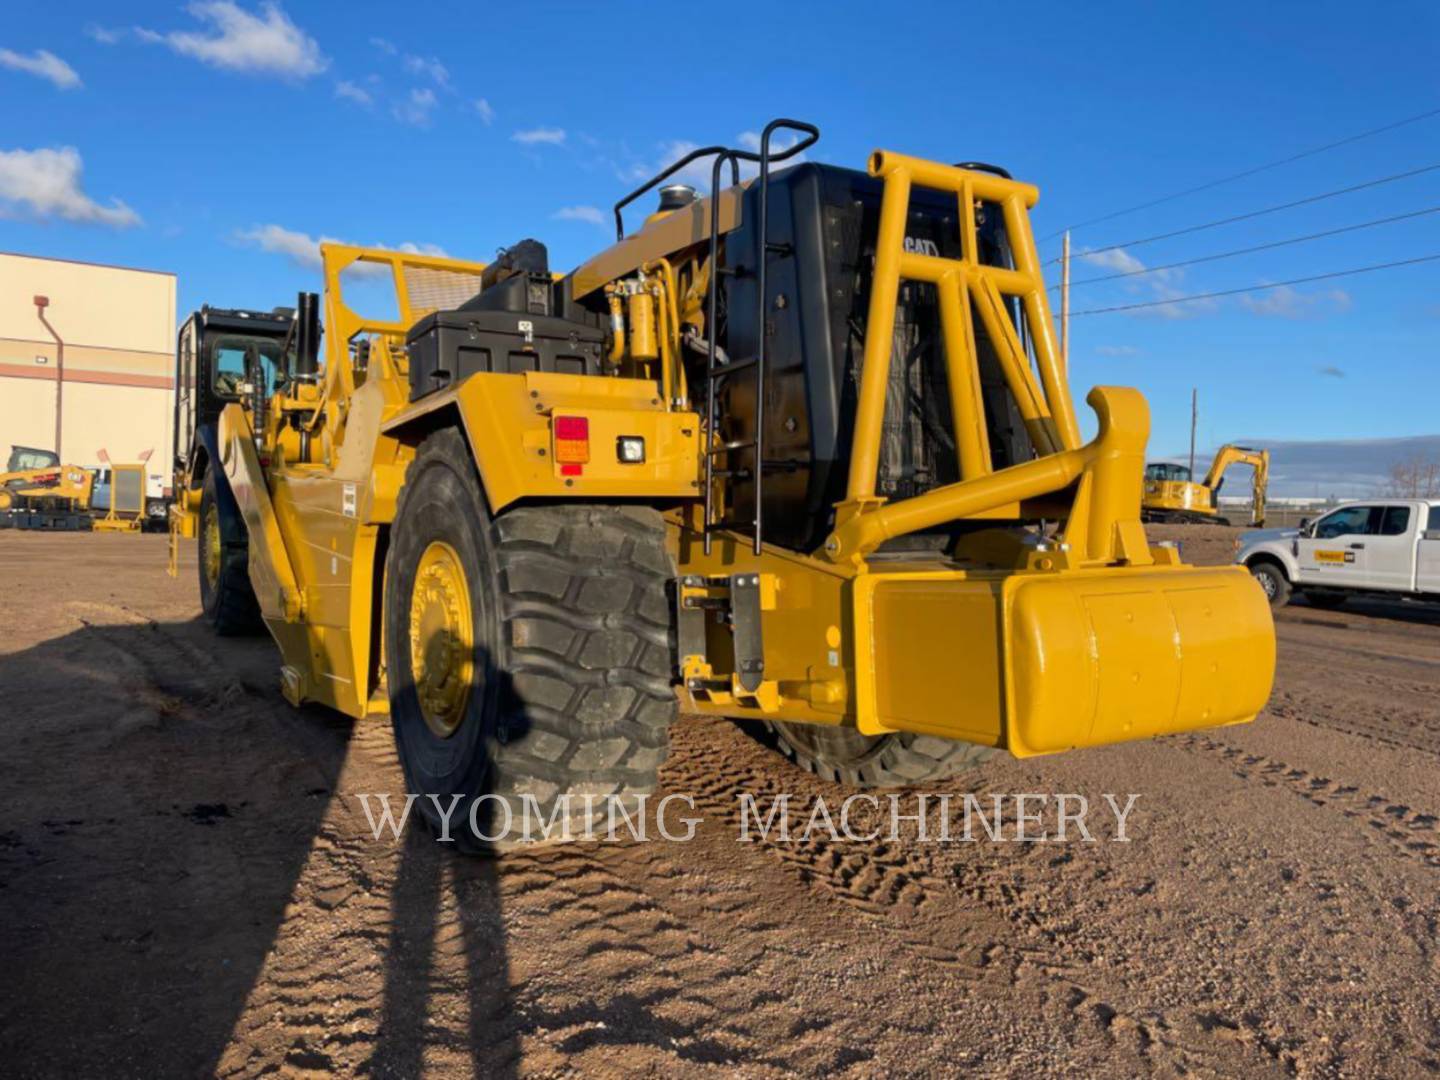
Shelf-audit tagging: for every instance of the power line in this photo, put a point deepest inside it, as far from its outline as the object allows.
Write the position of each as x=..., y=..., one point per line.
x=1257, y=288
x=1260, y=213
x=1247, y=172
x=1255, y=248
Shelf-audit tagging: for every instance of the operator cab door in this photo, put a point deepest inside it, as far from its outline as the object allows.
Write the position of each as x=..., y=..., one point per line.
x=1390, y=549
x=1427, y=559
x=1334, y=552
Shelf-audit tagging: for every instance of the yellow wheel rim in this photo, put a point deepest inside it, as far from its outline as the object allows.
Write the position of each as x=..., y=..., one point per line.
x=442, y=638
x=210, y=547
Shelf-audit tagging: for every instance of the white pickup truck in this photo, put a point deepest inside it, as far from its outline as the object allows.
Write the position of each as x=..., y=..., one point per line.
x=1389, y=546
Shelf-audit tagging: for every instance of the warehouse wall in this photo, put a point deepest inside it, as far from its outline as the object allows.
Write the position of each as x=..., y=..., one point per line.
x=118, y=325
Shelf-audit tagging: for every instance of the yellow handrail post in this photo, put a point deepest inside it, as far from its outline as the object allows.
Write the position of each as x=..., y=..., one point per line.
x=879, y=335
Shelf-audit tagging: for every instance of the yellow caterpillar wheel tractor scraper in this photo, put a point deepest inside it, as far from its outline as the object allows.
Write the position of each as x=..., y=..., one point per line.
x=802, y=454
x=1171, y=495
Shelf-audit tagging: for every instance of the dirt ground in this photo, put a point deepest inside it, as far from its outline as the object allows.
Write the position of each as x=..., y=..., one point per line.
x=188, y=885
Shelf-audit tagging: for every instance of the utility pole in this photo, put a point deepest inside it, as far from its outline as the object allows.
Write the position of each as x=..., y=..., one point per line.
x=41, y=303
x=1194, y=414
x=1065, y=306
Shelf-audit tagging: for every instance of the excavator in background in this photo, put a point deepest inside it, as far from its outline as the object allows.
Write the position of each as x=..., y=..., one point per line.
x=37, y=492
x=801, y=453
x=1172, y=496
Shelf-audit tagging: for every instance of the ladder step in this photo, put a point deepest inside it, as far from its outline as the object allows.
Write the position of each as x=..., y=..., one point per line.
x=732, y=525
x=733, y=366
x=740, y=444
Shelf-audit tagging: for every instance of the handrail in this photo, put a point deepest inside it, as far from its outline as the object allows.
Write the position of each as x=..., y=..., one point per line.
x=763, y=159
x=722, y=153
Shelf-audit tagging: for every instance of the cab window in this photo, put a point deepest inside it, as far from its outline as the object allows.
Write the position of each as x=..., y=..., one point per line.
x=1348, y=521
x=23, y=460
x=1434, y=525
x=1395, y=521
x=1165, y=472
x=233, y=354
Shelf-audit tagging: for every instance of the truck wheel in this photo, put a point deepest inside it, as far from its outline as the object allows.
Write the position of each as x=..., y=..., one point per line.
x=893, y=760
x=529, y=656
x=225, y=591
x=1272, y=582
x=1324, y=598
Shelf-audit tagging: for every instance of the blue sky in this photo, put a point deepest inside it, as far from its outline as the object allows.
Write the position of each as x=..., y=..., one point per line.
x=218, y=140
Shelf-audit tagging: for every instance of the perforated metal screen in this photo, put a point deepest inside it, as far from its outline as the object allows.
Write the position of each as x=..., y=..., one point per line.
x=127, y=490
x=438, y=290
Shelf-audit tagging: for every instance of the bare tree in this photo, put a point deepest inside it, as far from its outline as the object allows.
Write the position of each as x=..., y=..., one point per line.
x=1416, y=477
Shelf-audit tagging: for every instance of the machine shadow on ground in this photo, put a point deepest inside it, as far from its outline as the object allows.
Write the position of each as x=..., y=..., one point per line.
x=167, y=832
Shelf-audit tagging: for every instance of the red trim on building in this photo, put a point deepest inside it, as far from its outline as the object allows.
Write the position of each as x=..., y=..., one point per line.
x=103, y=378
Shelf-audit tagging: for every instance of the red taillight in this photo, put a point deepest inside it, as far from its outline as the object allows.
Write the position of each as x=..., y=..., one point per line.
x=572, y=440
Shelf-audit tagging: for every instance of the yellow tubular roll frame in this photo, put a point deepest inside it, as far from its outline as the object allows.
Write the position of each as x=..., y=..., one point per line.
x=964, y=286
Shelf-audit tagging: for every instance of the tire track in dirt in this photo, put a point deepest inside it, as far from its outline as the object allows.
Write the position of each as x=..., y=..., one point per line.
x=926, y=904
x=1407, y=729
x=1412, y=834
x=893, y=884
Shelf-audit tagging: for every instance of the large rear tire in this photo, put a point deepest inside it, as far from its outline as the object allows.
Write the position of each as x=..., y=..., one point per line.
x=845, y=756
x=529, y=656
x=226, y=594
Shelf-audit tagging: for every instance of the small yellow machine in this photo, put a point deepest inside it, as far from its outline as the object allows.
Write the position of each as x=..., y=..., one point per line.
x=37, y=492
x=1172, y=496
x=802, y=453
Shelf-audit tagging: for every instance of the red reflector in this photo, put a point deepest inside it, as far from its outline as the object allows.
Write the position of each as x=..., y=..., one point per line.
x=572, y=439
x=572, y=470
x=572, y=427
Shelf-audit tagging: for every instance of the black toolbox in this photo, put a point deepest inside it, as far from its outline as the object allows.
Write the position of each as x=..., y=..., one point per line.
x=449, y=345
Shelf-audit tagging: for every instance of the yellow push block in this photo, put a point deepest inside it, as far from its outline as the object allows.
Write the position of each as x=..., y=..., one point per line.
x=1113, y=656
x=1040, y=663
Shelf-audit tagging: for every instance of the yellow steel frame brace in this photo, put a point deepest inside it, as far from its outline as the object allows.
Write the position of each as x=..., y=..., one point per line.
x=1107, y=497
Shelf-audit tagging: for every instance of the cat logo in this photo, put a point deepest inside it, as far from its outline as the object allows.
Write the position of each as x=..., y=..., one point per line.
x=922, y=247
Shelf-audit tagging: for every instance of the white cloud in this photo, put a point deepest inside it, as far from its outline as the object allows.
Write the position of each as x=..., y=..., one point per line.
x=1160, y=284
x=1117, y=259
x=1188, y=309
x=42, y=64
x=350, y=92
x=430, y=67
x=537, y=136
x=416, y=107
x=303, y=250
x=420, y=249
x=46, y=182
x=384, y=45
x=237, y=40
x=300, y=248
x=1286, y=302
x=104, y=35
x=1117, y=350
x=591, y=214
x=487, y=114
